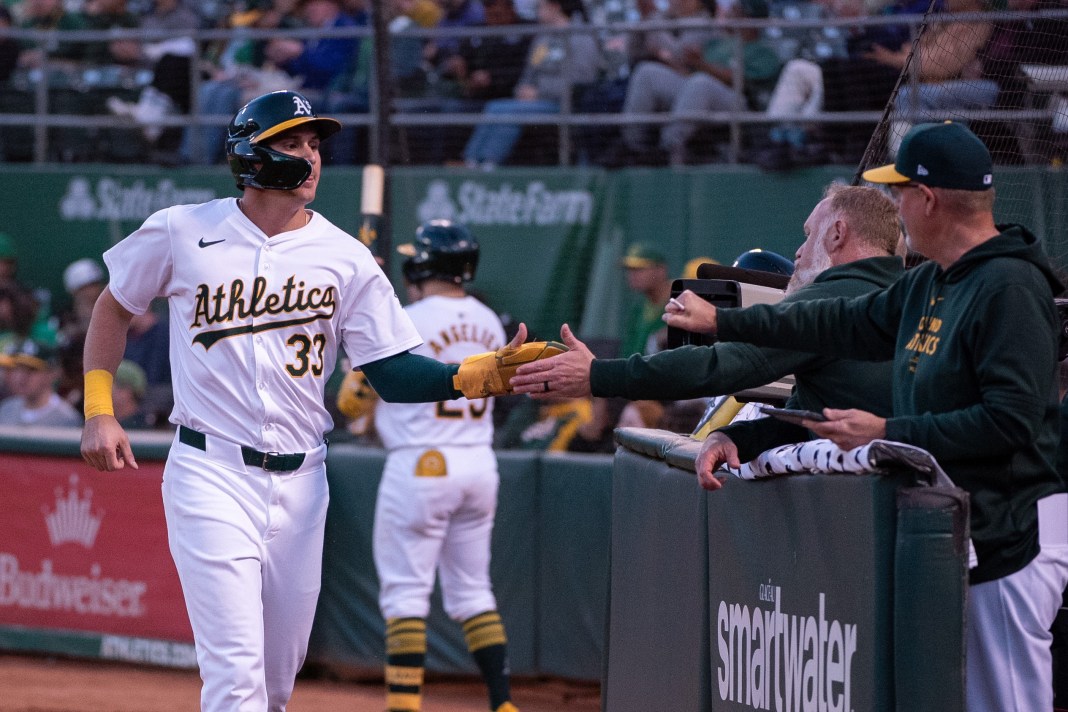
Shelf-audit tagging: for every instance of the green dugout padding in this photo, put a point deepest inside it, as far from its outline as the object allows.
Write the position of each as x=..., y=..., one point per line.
x=549, y=564
x=574, y=511
x=821, y=592
x=658, y=608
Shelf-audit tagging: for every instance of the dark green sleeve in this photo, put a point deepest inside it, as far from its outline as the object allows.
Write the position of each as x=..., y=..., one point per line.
x=864, y=328
x=410, y=378
x=695, y=371
x=753, y=437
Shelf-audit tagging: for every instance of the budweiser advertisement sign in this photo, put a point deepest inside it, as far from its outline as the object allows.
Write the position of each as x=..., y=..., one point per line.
x=87, y=551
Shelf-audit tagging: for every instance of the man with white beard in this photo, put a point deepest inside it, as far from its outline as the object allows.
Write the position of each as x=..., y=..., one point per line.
x=850, y=249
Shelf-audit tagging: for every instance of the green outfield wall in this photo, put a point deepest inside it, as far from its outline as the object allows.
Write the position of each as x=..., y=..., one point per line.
x=551, y=237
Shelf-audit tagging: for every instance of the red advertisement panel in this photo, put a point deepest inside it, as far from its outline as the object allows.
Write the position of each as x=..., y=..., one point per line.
x=86, y=550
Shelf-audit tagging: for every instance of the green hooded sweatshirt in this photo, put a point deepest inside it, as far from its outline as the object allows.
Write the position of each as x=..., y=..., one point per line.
x=975, y=354
x=699, y=371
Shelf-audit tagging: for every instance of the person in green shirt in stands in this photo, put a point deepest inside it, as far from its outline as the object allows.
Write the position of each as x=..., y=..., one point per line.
x=644, y=331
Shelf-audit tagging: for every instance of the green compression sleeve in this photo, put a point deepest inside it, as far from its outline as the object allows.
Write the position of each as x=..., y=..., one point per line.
x=410, y=378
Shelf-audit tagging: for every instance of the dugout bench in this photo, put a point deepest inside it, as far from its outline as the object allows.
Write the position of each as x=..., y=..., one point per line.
x=830, y=592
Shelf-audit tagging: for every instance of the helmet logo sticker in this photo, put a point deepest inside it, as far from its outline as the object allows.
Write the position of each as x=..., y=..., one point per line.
x=303, y=108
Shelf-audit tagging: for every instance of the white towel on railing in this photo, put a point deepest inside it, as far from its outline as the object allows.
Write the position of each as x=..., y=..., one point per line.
x=824, y=457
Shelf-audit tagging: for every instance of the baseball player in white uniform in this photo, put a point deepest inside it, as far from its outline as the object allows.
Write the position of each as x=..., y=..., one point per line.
x=261, y=293
x=438, y=495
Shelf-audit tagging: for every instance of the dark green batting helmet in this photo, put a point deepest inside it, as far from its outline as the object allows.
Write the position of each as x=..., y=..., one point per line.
x=256, y=123
x=765, y=261
x=442, y=249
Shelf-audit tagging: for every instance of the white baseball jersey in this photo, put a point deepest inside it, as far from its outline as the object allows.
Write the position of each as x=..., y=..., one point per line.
x=453, y=329
x=255, y=322
x=438, y=495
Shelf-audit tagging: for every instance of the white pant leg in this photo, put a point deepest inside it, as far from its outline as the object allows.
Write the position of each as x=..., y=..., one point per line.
x=798, y=91
x=411, y=520
x=465, y=556
x=1009, y=663
x=232, y=533
x=292, y=575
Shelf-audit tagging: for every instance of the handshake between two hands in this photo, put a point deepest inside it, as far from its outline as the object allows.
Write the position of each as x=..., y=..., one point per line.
x=558, y=369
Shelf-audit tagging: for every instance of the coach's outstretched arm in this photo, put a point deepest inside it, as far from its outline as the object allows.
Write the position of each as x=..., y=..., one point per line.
x=105, y=444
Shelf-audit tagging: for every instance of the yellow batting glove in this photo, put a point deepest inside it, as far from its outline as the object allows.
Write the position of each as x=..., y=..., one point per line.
x=488, y=374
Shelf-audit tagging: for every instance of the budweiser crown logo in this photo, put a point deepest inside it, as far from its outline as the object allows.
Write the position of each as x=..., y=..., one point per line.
x=72, y=519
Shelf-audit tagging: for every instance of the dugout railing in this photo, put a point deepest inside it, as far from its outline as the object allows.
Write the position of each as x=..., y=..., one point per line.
x=56, y=112
x=836, y=592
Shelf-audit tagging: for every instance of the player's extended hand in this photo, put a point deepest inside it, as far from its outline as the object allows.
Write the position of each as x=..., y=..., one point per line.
x=566, y=375
x=489, y=374
x=848, y=428
x=717, y=449
x=105, y=444
x=690, y=312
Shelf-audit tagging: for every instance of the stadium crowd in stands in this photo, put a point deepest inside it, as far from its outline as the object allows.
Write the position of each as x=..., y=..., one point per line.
x=654, y=76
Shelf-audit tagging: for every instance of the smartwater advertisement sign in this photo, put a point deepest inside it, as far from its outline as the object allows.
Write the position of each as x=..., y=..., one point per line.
x=796, y=628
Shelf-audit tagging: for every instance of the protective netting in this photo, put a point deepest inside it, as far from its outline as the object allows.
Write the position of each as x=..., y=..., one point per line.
x=1006, y=76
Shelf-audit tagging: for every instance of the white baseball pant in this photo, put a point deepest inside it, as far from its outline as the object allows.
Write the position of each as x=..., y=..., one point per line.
x=248, y=548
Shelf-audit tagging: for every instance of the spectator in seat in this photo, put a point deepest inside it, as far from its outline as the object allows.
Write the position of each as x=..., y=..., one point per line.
x=111, y=15
x=555, y=64
x=32, y=373
x=946, y=70
x=703, y=82
x=855, y=83
x=128, y=392
x=50, y=15
x=316, y=61
x=83, y=280
x=169, y=56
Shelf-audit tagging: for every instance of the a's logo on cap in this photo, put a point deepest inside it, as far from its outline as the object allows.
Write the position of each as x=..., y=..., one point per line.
x=988, y=179
x=921, y=171
x=303, y=107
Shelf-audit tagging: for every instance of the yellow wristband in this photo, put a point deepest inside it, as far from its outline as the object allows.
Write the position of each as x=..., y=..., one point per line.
x=98, y=393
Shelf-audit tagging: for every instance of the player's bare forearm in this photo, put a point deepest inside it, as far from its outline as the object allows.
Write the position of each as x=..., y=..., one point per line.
x=105, y=340
x=105, y=444
x=691, y=313
x=566, y=375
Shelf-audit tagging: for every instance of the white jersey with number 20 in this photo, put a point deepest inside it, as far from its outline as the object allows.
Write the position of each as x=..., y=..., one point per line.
x=452, y=330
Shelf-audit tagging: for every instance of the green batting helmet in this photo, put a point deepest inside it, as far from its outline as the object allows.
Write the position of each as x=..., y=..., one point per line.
x=264, y=118
x=442, y=249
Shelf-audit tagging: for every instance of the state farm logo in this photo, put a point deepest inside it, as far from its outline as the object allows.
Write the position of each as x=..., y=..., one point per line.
x=485, y=203
x=72, y=520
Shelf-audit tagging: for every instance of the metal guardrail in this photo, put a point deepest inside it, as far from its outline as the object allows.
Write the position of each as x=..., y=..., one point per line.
x=84, y=78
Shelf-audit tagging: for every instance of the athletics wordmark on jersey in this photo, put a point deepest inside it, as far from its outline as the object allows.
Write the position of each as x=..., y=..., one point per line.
x=222, y=306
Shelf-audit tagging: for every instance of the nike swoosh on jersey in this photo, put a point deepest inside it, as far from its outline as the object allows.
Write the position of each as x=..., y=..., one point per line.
x=209, y=244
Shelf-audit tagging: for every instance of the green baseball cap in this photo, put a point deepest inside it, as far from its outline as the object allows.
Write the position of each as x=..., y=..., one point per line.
x=945, y=155
x=132, y=376
x=642, y=254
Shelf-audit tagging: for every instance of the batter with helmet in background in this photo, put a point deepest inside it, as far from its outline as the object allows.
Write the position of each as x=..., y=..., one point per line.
x=261, y=293
x=438, y=495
